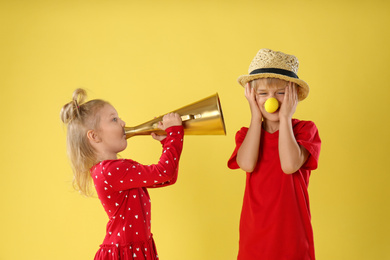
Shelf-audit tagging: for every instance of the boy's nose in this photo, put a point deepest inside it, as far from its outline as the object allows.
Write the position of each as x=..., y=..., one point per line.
x=271, y=105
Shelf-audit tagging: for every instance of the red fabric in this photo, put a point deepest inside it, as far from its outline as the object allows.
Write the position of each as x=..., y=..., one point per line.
x=121, y=186
x=275, y=219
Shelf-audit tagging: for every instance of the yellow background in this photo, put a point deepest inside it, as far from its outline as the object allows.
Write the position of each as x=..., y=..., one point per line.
x=151, y=57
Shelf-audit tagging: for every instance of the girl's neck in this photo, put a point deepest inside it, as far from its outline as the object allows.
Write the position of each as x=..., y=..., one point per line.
x=103, y=157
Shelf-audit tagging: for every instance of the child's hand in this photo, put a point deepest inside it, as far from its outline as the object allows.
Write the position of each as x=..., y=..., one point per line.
x=158, y=137
x=170, y=119
x=250, y=95
x=290, y=101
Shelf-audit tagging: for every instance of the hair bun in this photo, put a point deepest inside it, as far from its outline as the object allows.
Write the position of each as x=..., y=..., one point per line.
x=71, y=110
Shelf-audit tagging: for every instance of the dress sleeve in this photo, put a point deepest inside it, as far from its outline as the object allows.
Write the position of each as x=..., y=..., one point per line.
x=240, y=136
x=125, y=174
x=306, y=134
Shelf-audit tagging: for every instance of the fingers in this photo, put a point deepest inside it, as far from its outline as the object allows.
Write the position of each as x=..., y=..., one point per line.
x=174, y=117
x=290, y=101
x=291, y=93
x=250, y=93
x=160, y=125
x=158, y=137
x=287, y=93
x=171, y=119
x=295, y=92
x=247, y=90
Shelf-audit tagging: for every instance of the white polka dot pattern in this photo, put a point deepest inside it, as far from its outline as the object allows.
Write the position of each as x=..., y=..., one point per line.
x=121, y=186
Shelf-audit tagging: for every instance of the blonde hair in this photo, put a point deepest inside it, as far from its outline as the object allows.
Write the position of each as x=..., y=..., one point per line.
x=81, y=117
x=268, y=82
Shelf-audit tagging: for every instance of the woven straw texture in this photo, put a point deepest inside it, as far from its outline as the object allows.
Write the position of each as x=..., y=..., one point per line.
x=267, y=58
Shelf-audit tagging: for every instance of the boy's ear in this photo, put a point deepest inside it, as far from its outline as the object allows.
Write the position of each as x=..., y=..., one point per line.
x=93, y=136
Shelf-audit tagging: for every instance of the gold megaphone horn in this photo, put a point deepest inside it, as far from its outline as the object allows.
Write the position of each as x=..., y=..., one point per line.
x=200, y=118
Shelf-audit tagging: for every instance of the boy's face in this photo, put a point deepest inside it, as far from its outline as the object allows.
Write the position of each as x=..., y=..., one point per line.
x=266, y=89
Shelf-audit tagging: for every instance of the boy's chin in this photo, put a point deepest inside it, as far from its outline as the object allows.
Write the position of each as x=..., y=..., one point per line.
x=271, y=117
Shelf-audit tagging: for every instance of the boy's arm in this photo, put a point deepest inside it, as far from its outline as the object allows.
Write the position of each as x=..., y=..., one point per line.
x=248, y=153
x=292, y=155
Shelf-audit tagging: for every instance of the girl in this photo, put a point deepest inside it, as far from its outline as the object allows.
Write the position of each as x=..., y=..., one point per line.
x=95, y=135
x=278, y=154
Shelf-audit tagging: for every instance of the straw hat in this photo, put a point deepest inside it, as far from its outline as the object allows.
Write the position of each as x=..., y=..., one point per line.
x=275, y=64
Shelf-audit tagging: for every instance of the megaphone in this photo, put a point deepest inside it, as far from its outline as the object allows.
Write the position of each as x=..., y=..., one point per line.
x=203, y=117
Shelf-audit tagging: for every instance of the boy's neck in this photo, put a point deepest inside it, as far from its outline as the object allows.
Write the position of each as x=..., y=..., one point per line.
x=271, y=126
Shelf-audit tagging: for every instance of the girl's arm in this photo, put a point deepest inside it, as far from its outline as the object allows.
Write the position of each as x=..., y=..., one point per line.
x=248, y=153
x=127, y=174
x=171, y=119
x=174, y=176
x=292, y=155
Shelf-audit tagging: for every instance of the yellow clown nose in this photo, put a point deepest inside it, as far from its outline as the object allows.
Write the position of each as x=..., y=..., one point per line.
x=271, y=105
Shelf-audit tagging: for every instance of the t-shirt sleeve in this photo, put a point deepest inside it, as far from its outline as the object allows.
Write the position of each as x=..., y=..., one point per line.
x=125, y=174
x=306, y=134
x=240, y=136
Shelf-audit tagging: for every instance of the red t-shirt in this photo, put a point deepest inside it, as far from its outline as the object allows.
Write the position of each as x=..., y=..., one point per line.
x=121, y=186
x=275, y=219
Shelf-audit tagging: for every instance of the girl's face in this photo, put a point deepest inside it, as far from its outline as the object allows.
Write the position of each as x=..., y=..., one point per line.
x=264, y=91
x=111, y=132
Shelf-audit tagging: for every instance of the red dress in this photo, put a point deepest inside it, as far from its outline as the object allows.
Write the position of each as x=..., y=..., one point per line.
x=275, y=218
x=121, y=186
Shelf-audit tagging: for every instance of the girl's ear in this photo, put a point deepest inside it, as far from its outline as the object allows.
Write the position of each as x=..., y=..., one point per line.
x=93, y=136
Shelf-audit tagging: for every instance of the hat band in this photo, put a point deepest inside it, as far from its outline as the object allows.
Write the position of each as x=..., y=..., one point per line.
x=275, y=71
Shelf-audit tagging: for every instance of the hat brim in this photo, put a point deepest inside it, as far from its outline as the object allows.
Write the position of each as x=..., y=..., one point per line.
x=303, y=86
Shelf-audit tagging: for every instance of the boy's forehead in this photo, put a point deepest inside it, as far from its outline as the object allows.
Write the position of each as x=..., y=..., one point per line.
x=269, y=84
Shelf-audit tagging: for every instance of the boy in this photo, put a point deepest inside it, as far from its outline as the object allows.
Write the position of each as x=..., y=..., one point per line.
x=278, y=154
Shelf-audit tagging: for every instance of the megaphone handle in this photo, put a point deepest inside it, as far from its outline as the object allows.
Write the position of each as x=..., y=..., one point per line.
x=187, y=117
x=183, y=118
